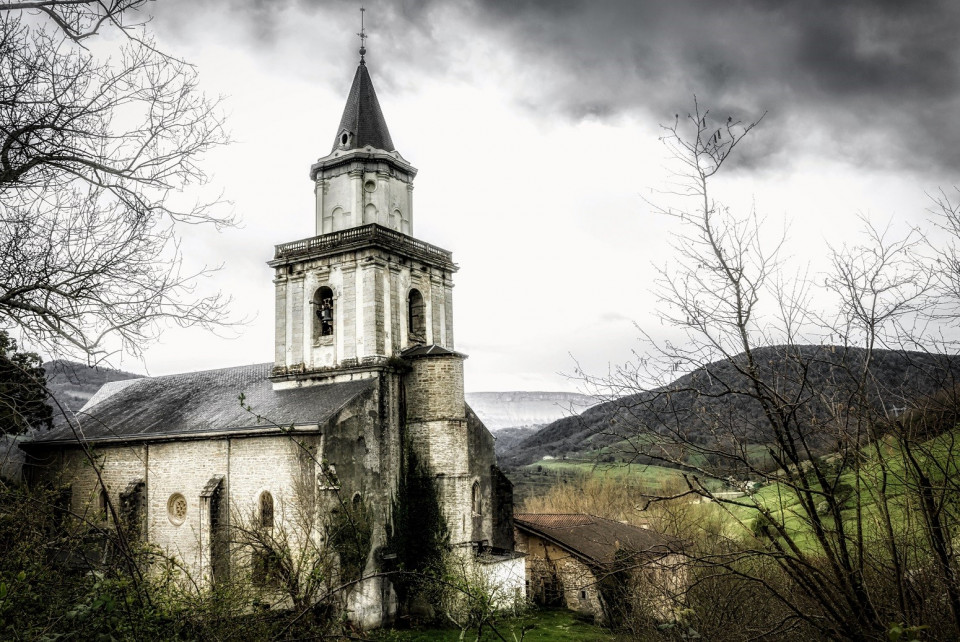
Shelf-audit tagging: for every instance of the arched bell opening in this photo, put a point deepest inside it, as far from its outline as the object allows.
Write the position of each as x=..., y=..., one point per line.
x=323, y=324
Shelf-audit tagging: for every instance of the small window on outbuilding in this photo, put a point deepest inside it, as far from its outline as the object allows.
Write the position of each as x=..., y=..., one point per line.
x=416, y=317
x=323, y=325
x=477, y=501
x=266, y=509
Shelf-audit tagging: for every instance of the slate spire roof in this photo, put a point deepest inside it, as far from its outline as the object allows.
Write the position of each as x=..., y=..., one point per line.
x=362, y=118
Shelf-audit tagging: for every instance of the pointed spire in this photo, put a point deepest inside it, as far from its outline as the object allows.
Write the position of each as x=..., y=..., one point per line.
x=362, y=123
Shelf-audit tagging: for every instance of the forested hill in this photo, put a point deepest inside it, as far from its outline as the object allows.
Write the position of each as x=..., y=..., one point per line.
x=715, y=396
x=72, y=384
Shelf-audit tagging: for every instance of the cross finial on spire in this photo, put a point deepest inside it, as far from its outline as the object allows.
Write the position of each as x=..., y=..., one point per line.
x=363, y=36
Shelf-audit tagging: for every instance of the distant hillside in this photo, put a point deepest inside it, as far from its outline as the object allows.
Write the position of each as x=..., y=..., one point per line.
x=508, y=439
x=500, y=410
x=74, y=383
x=698, y=398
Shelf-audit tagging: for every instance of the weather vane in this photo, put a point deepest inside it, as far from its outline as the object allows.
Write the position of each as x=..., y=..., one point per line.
x=363, y=35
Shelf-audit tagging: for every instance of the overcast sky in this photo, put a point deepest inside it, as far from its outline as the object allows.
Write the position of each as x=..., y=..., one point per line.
x=535, y=129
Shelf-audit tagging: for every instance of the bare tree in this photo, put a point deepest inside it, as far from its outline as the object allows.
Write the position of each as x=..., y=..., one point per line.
x=95, y=157
x=844, y=521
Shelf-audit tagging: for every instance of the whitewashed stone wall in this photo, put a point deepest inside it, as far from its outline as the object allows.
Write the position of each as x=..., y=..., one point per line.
x=369, y=189
x=505, y=579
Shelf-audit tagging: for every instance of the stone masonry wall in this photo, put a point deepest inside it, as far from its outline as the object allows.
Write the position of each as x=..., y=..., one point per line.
x=363, y=449
x=118, y=467
x=552, y=573
x=183, y=468
x=435, y=389
x=455, y=446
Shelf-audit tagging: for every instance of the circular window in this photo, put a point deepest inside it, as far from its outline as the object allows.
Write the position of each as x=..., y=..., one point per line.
x=344, y=139
x=370, y=186
x=177, y=508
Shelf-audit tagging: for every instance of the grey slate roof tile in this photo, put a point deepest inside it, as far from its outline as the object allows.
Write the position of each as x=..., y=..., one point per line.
x=362, y=116
x=201, y=402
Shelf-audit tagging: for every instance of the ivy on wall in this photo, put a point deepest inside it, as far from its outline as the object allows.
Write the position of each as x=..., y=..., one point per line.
x=419, y=537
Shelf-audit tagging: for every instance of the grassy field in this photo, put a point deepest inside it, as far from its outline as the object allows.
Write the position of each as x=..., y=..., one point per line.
x=553, y=625
x=536, y=479
x=647, y=475
x=938, y=456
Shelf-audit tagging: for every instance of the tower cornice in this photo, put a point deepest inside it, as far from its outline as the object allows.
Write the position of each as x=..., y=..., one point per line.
x=361, y=157
x=355, y=238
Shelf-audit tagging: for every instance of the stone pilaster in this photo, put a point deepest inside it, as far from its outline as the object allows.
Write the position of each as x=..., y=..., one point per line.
x=280, y=322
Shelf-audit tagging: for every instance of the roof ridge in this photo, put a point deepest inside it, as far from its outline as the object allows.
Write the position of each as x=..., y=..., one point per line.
x=208, y=370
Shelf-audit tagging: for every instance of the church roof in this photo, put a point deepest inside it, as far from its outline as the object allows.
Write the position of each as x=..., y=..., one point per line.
x=432, y=350
x=362, y=116
x=199, y=403
x=593, y=538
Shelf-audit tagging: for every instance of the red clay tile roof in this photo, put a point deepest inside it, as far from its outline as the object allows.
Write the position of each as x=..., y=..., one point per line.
x=594, y=538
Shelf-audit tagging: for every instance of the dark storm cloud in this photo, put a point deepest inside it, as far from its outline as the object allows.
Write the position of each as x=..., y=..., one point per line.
x=879, y=79
x=882, y=79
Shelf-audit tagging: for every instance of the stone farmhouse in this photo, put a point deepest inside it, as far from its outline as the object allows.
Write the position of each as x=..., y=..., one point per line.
x=365, y=377
x=570, y=556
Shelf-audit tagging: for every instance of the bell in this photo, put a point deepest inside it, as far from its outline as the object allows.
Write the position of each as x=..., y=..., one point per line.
x=325, y=315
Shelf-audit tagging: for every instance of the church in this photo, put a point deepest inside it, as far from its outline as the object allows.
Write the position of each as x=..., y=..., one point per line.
x=365, y=379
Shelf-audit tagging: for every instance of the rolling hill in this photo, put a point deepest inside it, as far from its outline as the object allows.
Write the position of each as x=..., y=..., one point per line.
x=718, y=395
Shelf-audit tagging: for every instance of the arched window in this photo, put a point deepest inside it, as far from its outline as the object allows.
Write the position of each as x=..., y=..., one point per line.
x=103, y=504
x=323, y=313
x=416, y=318
x=266, y=509
x=337, y=219
x=477, y=502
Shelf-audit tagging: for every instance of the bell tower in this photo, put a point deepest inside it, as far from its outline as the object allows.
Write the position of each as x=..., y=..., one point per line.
x=363, y=289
